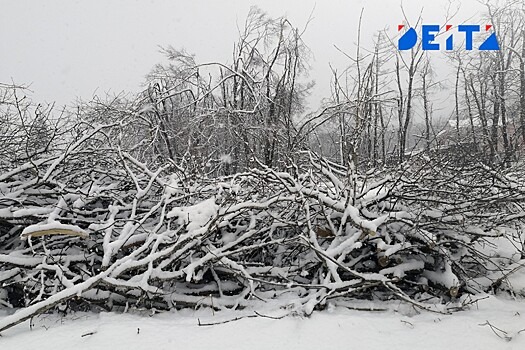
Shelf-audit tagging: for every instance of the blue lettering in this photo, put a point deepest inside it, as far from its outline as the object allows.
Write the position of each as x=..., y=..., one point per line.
x=407, y=40
x=427, y=37
x=468, y=29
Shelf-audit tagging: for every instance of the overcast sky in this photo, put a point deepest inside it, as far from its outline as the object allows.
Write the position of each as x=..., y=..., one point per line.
x=69, y=49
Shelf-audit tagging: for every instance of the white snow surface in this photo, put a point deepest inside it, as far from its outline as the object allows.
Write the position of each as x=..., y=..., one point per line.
x=195, y=216
x=226, y=159
x=53, y=225
x=335, y=328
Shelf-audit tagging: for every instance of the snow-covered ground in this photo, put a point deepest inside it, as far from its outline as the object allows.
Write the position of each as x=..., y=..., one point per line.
x=399, y=328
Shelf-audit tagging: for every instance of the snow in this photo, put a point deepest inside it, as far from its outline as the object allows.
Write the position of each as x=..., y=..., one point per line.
x=78, y=203
x=516, y=281
x=466, y=123
x=146, y=108
x=173, y=185
x=400, y=327
x=36, y=211
x=53, y=227
x=195, y=216
x=226, y=159
x=401, y=269
x=446, y=277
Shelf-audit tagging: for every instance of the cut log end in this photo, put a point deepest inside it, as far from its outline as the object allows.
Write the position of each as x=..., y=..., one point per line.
x=383, y=261
x=57, y=231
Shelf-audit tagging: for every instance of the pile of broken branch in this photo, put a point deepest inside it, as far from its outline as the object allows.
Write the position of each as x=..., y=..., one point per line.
x=92, y=228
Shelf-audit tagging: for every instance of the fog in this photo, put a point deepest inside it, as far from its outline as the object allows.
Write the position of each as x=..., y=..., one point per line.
x=66, y=50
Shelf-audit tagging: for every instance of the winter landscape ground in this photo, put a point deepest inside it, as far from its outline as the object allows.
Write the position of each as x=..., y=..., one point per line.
x=492, y=323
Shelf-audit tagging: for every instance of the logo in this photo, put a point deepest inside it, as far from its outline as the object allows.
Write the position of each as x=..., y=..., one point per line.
x=429, y=32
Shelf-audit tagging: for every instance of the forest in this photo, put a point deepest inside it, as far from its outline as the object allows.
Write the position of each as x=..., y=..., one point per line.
x=216, y=186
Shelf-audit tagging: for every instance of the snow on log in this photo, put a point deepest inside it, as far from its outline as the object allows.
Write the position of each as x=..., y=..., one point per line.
x=53, y=228
x=195, y=216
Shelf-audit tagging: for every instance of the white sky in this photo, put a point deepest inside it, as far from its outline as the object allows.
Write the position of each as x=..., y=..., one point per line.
x=69, y=49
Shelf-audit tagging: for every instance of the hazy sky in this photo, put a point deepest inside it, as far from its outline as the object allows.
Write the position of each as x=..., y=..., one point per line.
x=68, y=49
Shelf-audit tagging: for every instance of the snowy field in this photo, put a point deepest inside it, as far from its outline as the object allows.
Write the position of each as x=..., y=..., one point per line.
x=399, y=328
